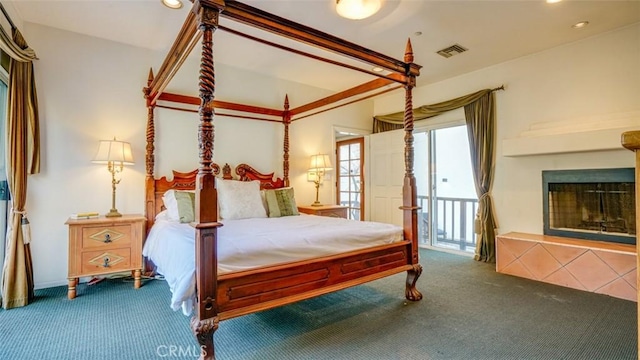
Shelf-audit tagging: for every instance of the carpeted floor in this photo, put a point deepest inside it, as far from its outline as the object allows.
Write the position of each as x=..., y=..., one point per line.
x=468, y=312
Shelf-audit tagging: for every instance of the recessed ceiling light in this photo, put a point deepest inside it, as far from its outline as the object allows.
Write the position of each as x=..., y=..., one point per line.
x=172, y=4
x=553, y=1
x=377, y=69
x=580, y=25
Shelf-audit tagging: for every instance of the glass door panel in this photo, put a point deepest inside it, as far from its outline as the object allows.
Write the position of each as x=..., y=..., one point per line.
x=446, y=192
x=454, y=196
x=350, y=159
x=423, y=181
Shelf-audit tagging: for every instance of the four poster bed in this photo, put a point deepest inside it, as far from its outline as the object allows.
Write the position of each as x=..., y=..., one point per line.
x=223, y=294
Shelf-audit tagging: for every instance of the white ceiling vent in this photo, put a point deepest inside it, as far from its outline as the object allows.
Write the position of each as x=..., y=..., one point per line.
x=452, y=50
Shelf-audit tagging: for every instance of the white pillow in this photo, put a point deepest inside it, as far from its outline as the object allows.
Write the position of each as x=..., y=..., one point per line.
x=240, y=200
x=162, y=216
x=263, y=198
x=171, y=205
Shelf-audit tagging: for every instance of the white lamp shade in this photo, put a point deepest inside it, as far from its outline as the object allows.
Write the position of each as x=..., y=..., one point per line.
x=357, y=9
x=320, y=162
x=114, y=151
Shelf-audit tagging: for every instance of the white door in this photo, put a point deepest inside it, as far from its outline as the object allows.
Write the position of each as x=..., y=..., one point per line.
x=387, y=176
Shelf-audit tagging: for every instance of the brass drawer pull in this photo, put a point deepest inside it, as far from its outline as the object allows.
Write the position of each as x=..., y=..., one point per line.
x=107, y=238
x=106, y=262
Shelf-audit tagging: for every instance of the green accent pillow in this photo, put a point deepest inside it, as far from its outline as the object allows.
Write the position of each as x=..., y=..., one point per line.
x=281, y=202
x=186, y=204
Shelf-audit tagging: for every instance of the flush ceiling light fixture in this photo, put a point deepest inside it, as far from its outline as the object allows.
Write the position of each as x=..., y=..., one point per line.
x=357, y=9
x=580, y=25
x=172, y=4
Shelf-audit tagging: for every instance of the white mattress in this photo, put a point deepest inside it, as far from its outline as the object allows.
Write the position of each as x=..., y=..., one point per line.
x=251, y=243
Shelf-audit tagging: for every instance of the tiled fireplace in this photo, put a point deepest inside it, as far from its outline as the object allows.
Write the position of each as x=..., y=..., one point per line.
x=596, y=266
x=589, y=234
x=594, y=204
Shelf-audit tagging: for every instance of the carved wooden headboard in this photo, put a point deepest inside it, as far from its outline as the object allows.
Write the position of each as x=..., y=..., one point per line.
x=181, y=181
x=187, y=180
x=247, y=173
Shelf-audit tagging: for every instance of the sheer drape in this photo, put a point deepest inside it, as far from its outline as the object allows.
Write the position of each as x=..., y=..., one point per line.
x=480, y=117
x=23, y=154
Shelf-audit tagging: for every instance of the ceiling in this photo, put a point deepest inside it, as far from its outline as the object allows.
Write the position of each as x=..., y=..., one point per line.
x=492, y=31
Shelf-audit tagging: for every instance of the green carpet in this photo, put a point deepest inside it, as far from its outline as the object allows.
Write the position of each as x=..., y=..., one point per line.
x=468, y=312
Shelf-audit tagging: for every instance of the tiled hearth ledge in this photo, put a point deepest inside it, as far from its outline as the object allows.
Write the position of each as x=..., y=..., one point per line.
x=600, y=267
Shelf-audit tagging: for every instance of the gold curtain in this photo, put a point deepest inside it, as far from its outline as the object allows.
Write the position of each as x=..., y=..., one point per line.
x=385, y=122
x=480, y=117
x=23, y=155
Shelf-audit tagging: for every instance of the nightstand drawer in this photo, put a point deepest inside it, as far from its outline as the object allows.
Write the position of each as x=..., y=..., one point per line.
x=339, y=213
x=106, y=236
x=325, y=210
x=103, y=261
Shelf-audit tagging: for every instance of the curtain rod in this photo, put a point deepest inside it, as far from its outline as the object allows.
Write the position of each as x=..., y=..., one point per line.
x=6, y=15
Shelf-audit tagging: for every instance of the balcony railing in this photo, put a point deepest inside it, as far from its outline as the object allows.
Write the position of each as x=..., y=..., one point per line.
x=455, y=222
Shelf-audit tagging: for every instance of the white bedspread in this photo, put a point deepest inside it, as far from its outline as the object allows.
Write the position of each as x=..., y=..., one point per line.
x=251, y=243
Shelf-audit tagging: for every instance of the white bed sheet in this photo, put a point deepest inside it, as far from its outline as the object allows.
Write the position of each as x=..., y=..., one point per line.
x=252, y=243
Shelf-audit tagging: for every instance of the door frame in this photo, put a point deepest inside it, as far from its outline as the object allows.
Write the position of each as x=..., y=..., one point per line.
x=447, y=120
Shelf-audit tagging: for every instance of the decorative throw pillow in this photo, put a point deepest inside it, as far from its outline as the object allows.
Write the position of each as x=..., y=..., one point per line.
x=281, y=202
x=240, y=200
x=180, y=205
x=186, y=204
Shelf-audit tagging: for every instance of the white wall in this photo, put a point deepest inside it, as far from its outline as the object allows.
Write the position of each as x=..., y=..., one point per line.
x=88, y=90
x=314, y=135
x=596, y=76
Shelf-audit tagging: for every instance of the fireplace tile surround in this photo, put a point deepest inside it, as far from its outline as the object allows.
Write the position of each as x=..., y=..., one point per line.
x=595, y=266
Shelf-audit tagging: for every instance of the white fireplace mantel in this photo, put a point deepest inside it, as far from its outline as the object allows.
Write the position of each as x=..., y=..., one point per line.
x=595, y=133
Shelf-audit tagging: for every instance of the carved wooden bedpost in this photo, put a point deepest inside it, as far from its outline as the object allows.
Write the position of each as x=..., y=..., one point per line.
x=409, y=190
x=149, y=154
x=631, y=141
x=286, y=120
x=205, y=321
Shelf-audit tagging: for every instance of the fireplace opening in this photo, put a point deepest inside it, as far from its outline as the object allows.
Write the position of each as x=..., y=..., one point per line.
x=595, y=204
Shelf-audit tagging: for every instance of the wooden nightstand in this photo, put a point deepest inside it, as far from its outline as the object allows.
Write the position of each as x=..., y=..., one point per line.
x=325, y=210
x=105, y=245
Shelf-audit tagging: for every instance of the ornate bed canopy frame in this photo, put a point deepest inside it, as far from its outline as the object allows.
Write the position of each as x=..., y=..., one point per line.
x=225, y=296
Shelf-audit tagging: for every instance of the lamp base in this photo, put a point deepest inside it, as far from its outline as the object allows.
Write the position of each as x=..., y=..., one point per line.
x=113, y=213
x=316, y=203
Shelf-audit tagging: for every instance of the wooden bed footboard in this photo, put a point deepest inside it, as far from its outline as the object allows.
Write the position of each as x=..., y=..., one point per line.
x=245, y=292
